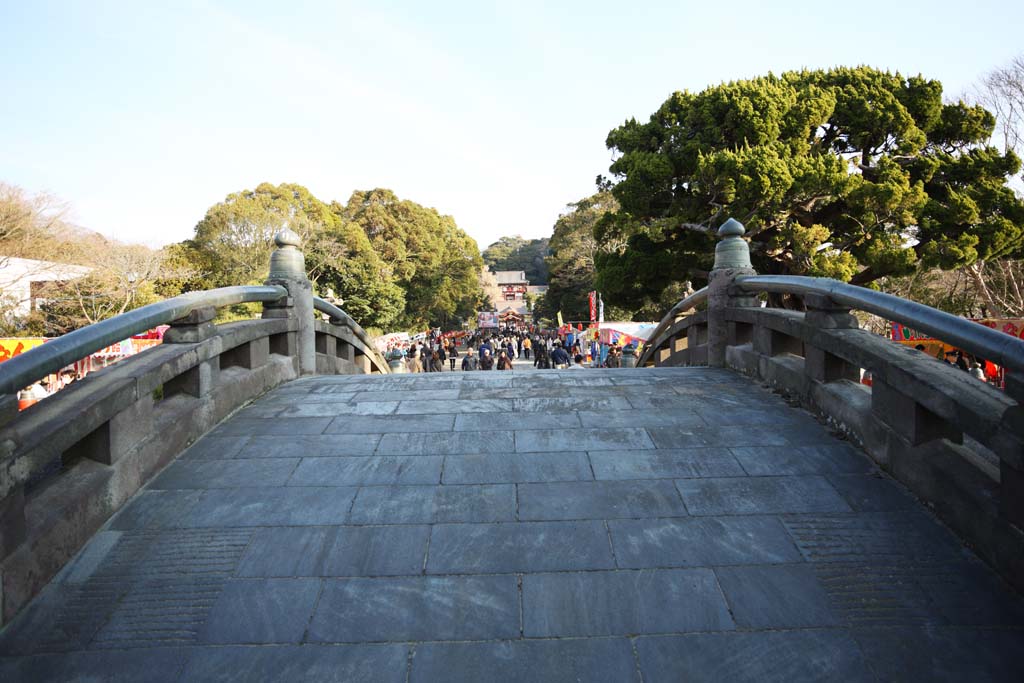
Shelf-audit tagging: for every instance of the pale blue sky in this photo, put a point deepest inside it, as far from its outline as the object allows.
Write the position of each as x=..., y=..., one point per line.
x=141, y=115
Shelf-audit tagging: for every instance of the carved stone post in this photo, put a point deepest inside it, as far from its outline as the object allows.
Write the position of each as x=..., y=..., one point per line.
x=732, y=259
x=288, y=269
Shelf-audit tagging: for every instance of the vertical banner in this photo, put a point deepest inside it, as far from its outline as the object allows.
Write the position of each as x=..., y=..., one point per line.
x=592, y=297
x=600, y=309
x=560, y=323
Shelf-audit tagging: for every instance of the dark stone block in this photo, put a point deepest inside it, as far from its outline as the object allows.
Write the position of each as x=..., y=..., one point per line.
x=835, y=458
x=446, y=443
x=702, y=437
x=261, y=611
x=760, y=495
x=776, y=596
x=665, y=464
x=278, y=426
x=922, y=653
x=623, y=602
x=604, y=659
x=518, y=547
x=220, y=474
x=497, y=468
x=417, y=608
x=767, y=657
x=156, y=510
x=542, y=440
x=427, y=504
x=292, y=506
x=386, y=424
x=875, y=493
x=288, y=551
x=328, y=445
x=600, y=500
x=321, y=663
x=130, y=666
x=701, y=542
x=354, y=471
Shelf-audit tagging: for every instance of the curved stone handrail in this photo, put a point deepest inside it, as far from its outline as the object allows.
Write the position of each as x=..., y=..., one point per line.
x=956, y=442
x=31, y=366
x=662, y=332
x=70, y=461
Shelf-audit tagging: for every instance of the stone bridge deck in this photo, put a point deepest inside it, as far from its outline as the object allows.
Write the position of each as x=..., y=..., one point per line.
x=623, y=525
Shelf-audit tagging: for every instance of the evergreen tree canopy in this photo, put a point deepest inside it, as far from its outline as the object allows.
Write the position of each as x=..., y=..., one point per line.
x=850, y=173
x=516, y=253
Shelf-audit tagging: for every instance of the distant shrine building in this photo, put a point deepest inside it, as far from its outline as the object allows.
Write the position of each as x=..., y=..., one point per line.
x=507, y=290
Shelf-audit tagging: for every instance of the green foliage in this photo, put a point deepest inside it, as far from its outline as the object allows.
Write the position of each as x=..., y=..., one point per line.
x=516, y=253
x=571, y=263
x=850, y=173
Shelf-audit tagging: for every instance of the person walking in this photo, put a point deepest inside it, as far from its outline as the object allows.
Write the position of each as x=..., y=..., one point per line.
x=413, y=359
x=486, y=361
x=436, y=364
x=560, y=358
x=453, y=353
x=504, y=361
x=443, y=355
x=526, y=347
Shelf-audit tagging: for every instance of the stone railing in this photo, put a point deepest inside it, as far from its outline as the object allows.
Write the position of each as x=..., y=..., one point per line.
x=954, y=441
x=70, y=461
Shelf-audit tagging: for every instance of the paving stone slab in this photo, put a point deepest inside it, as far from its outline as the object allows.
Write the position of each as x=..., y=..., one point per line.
x=873, y=493
x=725, y=436
x=454, y=406
x=477, y=422
x=407, y=395
x=382, y=469
x=599, y=500
x=284, y=551
x=310, y=410
x=261, y=611
x=326, y=445
x=591, y=659
x=623, y=602
x=943, y=654
x=639, y=418
x=417, y=608
x=321, y=663
x=155, y=510
x=870, y=536
x=760, y=495
x=501, y=468
x=761, y=657
x=291, y=506
x=518, y=547
x=215, y=447
x=62, y=618
x=776, y=596
x=165, y=555
x=449, y=443
x=427, y=504
x=541, y=440
x=162, y=665
x=558, y=406
x=220, y=474
x=665, y=463
x=381, y=424
x=240, y=426
x=701, y=542
x=773, y=461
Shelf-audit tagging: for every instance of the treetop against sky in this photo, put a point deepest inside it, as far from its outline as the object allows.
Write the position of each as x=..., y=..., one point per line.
x=142, y=116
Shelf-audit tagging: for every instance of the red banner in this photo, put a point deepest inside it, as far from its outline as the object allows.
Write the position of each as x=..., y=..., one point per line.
x=592, y=296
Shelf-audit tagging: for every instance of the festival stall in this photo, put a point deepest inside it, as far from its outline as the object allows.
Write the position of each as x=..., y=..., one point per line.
x=939, y=349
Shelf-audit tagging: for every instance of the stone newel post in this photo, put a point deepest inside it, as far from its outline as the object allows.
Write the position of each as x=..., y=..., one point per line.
x=288, y=269
x=732, y=258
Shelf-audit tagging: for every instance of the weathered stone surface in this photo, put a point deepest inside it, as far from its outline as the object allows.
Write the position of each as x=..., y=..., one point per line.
x=426, y=504
x=640, y=418
x=497, y=468
x=769, y=657
x=281, y=427
x=326, y=445
x=599, y=500
x=581, y=439
x=215, y=447
x=701, y=542
x=327, y=663
x=309, y=410
x=776, y=596
x=445, y=444
x=623, y=602
x=665, y=464
x=261, y=611
x=734, y=435
x=299, y=505
x=514, y=661
x=872, y=493
x=220, y=474
x=520, y=547
x=353, y=471
x=822, y=459
x=760, y=495
x=440, y=406
x=420, y=608
x=157, y=665
x=476, y=422
x=379, y=424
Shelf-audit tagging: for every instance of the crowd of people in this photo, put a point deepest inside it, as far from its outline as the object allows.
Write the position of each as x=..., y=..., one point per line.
x=496, y=350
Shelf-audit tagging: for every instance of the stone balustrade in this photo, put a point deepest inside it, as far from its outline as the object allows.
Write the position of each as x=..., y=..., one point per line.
x=954, y=441
x=72, y=460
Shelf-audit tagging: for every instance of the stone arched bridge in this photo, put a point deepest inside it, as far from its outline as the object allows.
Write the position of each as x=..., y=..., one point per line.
x=648, y=524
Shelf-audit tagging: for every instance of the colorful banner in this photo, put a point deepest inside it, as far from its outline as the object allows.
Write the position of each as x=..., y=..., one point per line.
x=1011, y=326
x=15, y=346
x=560, y=323
x=487, y=320
x=592, y=298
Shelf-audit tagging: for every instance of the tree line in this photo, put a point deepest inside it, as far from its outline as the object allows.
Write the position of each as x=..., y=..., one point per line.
x=391, y=263
x=857, y=174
